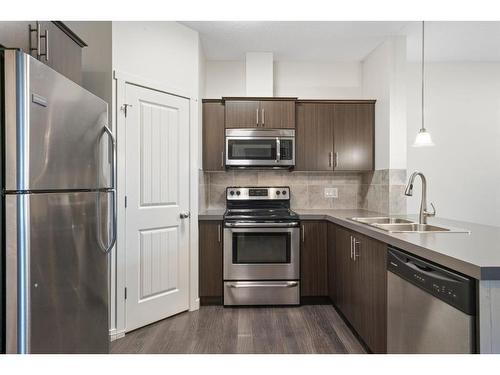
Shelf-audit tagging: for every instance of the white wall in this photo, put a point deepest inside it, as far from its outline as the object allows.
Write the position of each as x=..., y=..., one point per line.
x=383, y=73
x=314, y=80
x=202, y=69
x=376, y=84
x=318, y=80
x=462, y=112
x=224, y=78
x=165, y=52
x=259, y=73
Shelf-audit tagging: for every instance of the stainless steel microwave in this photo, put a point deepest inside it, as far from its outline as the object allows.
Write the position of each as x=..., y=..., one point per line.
x=269, y=148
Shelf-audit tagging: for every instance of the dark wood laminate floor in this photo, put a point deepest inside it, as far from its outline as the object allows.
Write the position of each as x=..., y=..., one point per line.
x=214, y=329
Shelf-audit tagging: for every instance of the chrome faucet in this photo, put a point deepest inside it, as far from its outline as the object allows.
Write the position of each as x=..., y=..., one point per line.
x=422, y=217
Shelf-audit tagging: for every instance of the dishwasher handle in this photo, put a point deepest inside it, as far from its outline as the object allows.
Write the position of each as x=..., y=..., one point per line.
x=428, y=271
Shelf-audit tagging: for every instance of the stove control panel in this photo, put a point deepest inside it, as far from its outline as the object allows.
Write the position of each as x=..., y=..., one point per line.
x=258, y=193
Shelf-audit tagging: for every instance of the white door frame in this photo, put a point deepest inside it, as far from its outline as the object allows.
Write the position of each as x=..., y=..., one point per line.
x=118, y=265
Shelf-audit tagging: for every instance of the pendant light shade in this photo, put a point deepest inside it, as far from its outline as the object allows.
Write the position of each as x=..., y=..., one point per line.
x=423, y=138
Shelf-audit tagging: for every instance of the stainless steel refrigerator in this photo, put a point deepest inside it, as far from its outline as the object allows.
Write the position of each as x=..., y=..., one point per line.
x=58, y=211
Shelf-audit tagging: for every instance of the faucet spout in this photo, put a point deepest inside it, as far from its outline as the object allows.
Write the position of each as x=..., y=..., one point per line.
x=423, y=214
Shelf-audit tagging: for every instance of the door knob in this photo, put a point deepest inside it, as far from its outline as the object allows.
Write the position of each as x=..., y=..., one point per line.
x=185, y=215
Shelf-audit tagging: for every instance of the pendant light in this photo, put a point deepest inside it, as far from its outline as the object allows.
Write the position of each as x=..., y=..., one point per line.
x=423, y=138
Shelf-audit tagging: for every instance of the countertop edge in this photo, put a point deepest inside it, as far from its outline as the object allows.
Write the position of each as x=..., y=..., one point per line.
x=472, y=270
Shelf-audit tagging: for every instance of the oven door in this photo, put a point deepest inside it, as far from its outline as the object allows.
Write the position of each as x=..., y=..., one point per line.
x=261, y=253
x=260, y=151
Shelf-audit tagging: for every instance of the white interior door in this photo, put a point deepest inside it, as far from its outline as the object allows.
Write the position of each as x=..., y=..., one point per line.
x=157, y=185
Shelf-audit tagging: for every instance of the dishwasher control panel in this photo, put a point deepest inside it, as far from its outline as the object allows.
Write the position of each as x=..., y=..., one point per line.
x=448, y=286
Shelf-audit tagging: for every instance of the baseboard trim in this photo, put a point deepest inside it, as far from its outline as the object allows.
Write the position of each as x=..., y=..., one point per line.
x=115, y=335
x=195, y=305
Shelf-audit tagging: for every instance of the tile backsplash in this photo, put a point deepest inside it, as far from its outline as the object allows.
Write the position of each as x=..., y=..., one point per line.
x=380, y=191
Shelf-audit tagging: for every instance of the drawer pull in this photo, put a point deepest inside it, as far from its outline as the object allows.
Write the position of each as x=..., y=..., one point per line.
x=288, y=284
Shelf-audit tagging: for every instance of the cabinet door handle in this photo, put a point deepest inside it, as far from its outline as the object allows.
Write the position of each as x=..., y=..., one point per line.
x=336, y=160
x=330, y=156
x=303, y=233
x=219, y=236
x=351, y=248
x=257, y=117
x=356, y=253
x=222, y=159
x=263, y=117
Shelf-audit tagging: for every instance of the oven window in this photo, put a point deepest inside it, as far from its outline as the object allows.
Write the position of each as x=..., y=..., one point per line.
x=261, y=248
x=254, y=149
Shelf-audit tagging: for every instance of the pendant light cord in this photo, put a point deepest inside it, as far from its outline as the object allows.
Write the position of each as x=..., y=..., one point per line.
x=423, y=49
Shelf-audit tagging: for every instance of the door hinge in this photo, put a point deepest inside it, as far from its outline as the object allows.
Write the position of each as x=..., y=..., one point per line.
x=124, y=108
x=125, y=293
x=125, y=201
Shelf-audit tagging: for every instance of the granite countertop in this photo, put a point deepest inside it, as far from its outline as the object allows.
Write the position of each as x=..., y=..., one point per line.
x=476, y=254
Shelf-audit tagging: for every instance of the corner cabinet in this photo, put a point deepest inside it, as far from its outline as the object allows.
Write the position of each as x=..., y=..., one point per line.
x=314, y=137
x=260, y=113
x=210, y=261
x=213, y=135
x=59, y=48
x=353, y=136
x=358, y=284
x=335, y=135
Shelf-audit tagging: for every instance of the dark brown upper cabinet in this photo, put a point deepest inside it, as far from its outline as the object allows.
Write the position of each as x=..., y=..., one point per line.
x=56, y=45
x=213, y=135
x=15, y=34
x=335, y=135
x=314, y=137
x=313, y=259
x=277, y=114
x=258, y=113
x=242, y=113
x=353, y=136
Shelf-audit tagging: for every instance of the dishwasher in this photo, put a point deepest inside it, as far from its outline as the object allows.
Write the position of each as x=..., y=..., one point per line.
x=429, y=309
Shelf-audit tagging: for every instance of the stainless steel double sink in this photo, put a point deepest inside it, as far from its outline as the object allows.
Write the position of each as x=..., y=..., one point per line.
x=397, y=225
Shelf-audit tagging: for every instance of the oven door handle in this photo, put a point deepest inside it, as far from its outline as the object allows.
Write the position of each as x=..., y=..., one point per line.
x=262, y=225
x=253, y=284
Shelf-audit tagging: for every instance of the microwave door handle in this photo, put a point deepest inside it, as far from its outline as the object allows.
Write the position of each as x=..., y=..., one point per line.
x=278, y=150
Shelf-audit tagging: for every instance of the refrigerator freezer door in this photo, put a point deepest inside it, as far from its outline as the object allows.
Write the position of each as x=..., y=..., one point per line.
x=66, y=273
x=52, y=130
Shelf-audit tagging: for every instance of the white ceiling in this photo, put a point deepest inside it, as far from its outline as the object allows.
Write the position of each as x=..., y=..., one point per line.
x=293, y=41
x=347, y=41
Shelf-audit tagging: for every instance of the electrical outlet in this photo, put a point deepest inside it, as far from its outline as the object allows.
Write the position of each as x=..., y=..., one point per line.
x=331, y=193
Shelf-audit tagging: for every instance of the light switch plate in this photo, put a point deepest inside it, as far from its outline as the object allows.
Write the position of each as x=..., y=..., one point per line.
x=331, y=193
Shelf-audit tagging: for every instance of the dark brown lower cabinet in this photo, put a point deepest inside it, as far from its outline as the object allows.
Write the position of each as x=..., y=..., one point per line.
x=331, y=270
x=210, y=262
x=313, y=259
x=358, y=284
x=371, y=258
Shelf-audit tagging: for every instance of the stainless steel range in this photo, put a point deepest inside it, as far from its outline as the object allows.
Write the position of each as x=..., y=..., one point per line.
x=261, y=247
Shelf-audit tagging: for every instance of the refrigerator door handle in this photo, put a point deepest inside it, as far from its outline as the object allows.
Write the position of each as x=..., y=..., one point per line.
x=107, y=131
x=102, y=246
